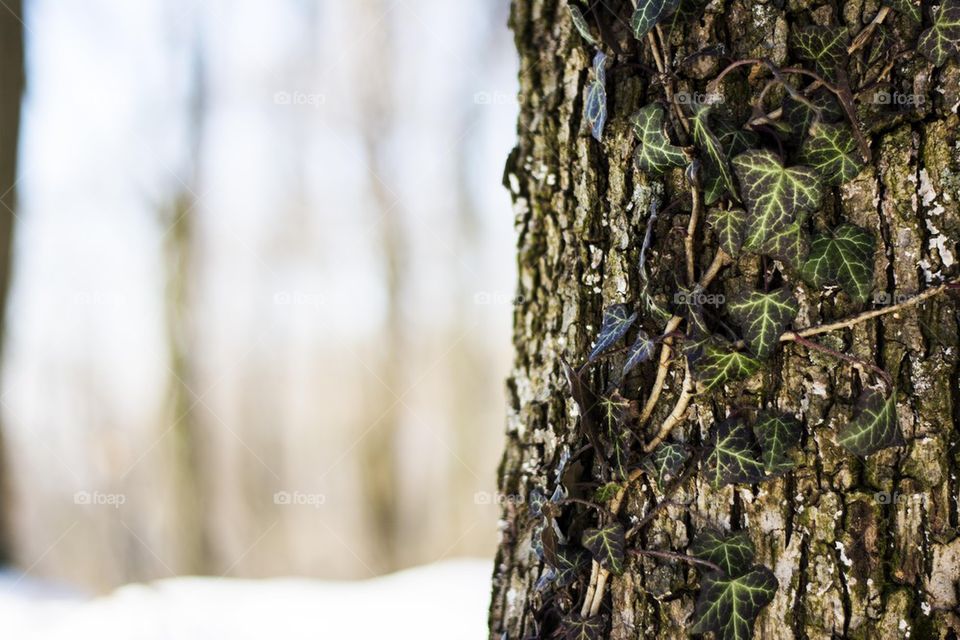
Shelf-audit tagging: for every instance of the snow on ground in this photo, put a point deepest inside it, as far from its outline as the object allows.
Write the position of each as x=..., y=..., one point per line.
x=446, y=600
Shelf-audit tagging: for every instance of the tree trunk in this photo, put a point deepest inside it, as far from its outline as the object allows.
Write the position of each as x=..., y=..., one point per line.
x=11, y=91
x=862, y=547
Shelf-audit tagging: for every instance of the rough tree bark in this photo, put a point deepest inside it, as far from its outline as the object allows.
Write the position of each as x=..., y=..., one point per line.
x=11, y=91
x=851, y=561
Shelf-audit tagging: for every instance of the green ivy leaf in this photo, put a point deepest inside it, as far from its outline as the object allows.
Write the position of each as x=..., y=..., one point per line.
x=719, y=363
x=729, y=605
x=734, y=455
x=570, y=564
x=666, y=461
x=733, y=139
x=716, y=164
x=800, y=116
x=763, y=317
x=596, y=107
x=655, y=153
x=640, y=351
x=825, y=48
x=650, y=13
x=832, y=152
x=789, y=245
x=732, y=552
x=730, y=227
x=875, y=425
x=616, y=322
x=575, y=628
x=942, y=41
x=606, y=492
x=616, y=411
x=774, y=195
x=909, y=8
x=777, y=435
x=606, y=544
x=844, y=258
x=580, y=24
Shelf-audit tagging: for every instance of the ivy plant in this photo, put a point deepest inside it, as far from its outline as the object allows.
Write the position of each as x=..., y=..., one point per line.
x=765, y=181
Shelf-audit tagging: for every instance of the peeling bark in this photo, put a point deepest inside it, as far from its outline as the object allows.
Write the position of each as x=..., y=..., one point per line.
x=862, y=548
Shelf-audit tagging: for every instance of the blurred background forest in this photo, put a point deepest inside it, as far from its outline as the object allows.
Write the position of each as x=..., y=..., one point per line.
x=260, y=285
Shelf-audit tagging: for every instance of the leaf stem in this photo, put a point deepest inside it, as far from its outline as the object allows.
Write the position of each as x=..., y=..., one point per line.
x=869, y=315
x=720, y=260
x=673, y=555
x=857, y=362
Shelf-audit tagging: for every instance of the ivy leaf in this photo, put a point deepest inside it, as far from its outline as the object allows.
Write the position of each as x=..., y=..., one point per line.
x=649, y=13
x=909, y=8
x=942, y=40
x=719, y=363
x=825, y=48
x=777, y=435
x=844, y=258
x=789, y=245
x=666, y=461
x=730, y=227
x=729, y=605
x=716, y=164
x=606, y=492
x=580, y=24
x=875, y=425
x=616, y=412
x=570, y=564
x=800, y=116
x=640, y=351
x=732, y=552
x=575, y=628
x=773, y=195
x=763, y=317
x=606, y=544
x=596, y=107
x=832, y=152
x=655, y=153
x=615, y=325
x=734, y=455
x=734, y=140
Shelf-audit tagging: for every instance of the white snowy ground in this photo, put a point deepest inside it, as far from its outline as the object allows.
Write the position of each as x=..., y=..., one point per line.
x=447, y=600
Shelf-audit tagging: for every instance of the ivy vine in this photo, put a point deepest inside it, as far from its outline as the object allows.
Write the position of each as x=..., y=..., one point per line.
x=764, y=181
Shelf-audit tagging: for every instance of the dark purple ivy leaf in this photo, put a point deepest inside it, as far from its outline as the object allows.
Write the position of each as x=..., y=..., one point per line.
x=596, y=106
x=616, y=322
x=640, y=351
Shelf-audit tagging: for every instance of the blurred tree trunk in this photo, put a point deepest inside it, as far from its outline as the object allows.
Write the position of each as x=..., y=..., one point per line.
x=190, y=452
x=850, y=564
x=378, y=448
x=11, y=90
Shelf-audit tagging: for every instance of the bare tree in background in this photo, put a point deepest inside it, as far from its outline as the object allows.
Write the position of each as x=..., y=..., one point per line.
x=11, y=91
x=196, y=547
x=378, y=448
